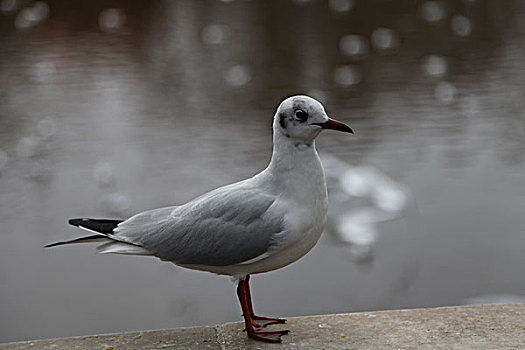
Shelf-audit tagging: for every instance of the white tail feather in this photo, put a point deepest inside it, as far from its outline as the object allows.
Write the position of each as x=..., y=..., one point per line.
x=115, y=247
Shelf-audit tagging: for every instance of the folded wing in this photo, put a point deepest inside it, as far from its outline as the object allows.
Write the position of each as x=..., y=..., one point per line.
x=221, y=228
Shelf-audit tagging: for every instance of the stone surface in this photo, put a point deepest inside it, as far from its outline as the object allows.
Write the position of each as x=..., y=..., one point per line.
x=181, y=338
x=463, y=327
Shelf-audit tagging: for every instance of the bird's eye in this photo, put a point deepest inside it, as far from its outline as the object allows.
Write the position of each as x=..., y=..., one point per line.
x=301, y=115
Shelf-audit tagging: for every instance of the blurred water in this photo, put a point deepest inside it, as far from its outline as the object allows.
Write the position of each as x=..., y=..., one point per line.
x=110, y=108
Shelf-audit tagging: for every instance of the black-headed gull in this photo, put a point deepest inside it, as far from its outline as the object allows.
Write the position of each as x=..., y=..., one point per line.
x=256, y=225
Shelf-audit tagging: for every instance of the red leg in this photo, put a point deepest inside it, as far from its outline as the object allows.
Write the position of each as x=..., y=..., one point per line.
x=251, y=326
x=259, y=321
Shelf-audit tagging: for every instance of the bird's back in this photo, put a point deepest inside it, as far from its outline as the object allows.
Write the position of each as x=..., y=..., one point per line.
x=227, y=226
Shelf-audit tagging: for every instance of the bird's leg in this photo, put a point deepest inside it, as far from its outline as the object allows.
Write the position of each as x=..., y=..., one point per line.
x=259, y=321
x=251, y=327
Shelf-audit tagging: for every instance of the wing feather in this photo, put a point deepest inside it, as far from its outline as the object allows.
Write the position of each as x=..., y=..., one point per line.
x=223, y=227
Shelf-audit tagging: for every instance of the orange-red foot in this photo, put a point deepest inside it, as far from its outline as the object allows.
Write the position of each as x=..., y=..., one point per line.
x=267, y=336
x=262, y=322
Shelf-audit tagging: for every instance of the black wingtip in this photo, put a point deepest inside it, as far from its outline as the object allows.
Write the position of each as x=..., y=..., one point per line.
x=104, y=226
x=77, y=222
x=88, y=239
x=55, y=244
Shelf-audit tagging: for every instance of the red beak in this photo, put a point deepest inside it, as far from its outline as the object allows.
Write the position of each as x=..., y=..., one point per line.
x=335, y=125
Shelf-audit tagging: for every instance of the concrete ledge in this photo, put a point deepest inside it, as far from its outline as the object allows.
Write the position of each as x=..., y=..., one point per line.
x=499, y=326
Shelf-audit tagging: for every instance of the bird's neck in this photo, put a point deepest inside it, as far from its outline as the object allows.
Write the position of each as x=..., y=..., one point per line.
x=296, y=170
x=292, y=155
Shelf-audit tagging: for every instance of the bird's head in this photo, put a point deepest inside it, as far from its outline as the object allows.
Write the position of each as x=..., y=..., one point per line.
x=301, y=119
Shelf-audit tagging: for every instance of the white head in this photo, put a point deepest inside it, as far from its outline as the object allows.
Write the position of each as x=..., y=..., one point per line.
x=301, y=118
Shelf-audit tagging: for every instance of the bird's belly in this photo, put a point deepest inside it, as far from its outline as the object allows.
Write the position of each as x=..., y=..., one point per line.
x=289, y=255
x=306, y=225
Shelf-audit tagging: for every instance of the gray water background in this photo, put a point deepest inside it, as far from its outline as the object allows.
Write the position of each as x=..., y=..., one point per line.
x=108, y=108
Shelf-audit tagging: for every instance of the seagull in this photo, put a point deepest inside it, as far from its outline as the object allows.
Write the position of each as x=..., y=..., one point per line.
x=253, y=226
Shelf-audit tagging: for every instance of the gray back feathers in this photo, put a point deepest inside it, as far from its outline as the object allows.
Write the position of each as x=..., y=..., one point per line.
x=220, y=228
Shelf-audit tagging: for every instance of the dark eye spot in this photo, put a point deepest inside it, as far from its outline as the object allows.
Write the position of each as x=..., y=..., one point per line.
x=301, y=115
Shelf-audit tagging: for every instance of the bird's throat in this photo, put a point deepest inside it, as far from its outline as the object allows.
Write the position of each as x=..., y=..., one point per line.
x=292, y=155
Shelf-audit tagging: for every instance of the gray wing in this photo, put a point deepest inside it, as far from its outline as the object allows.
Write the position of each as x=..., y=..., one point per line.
x=223, y=227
